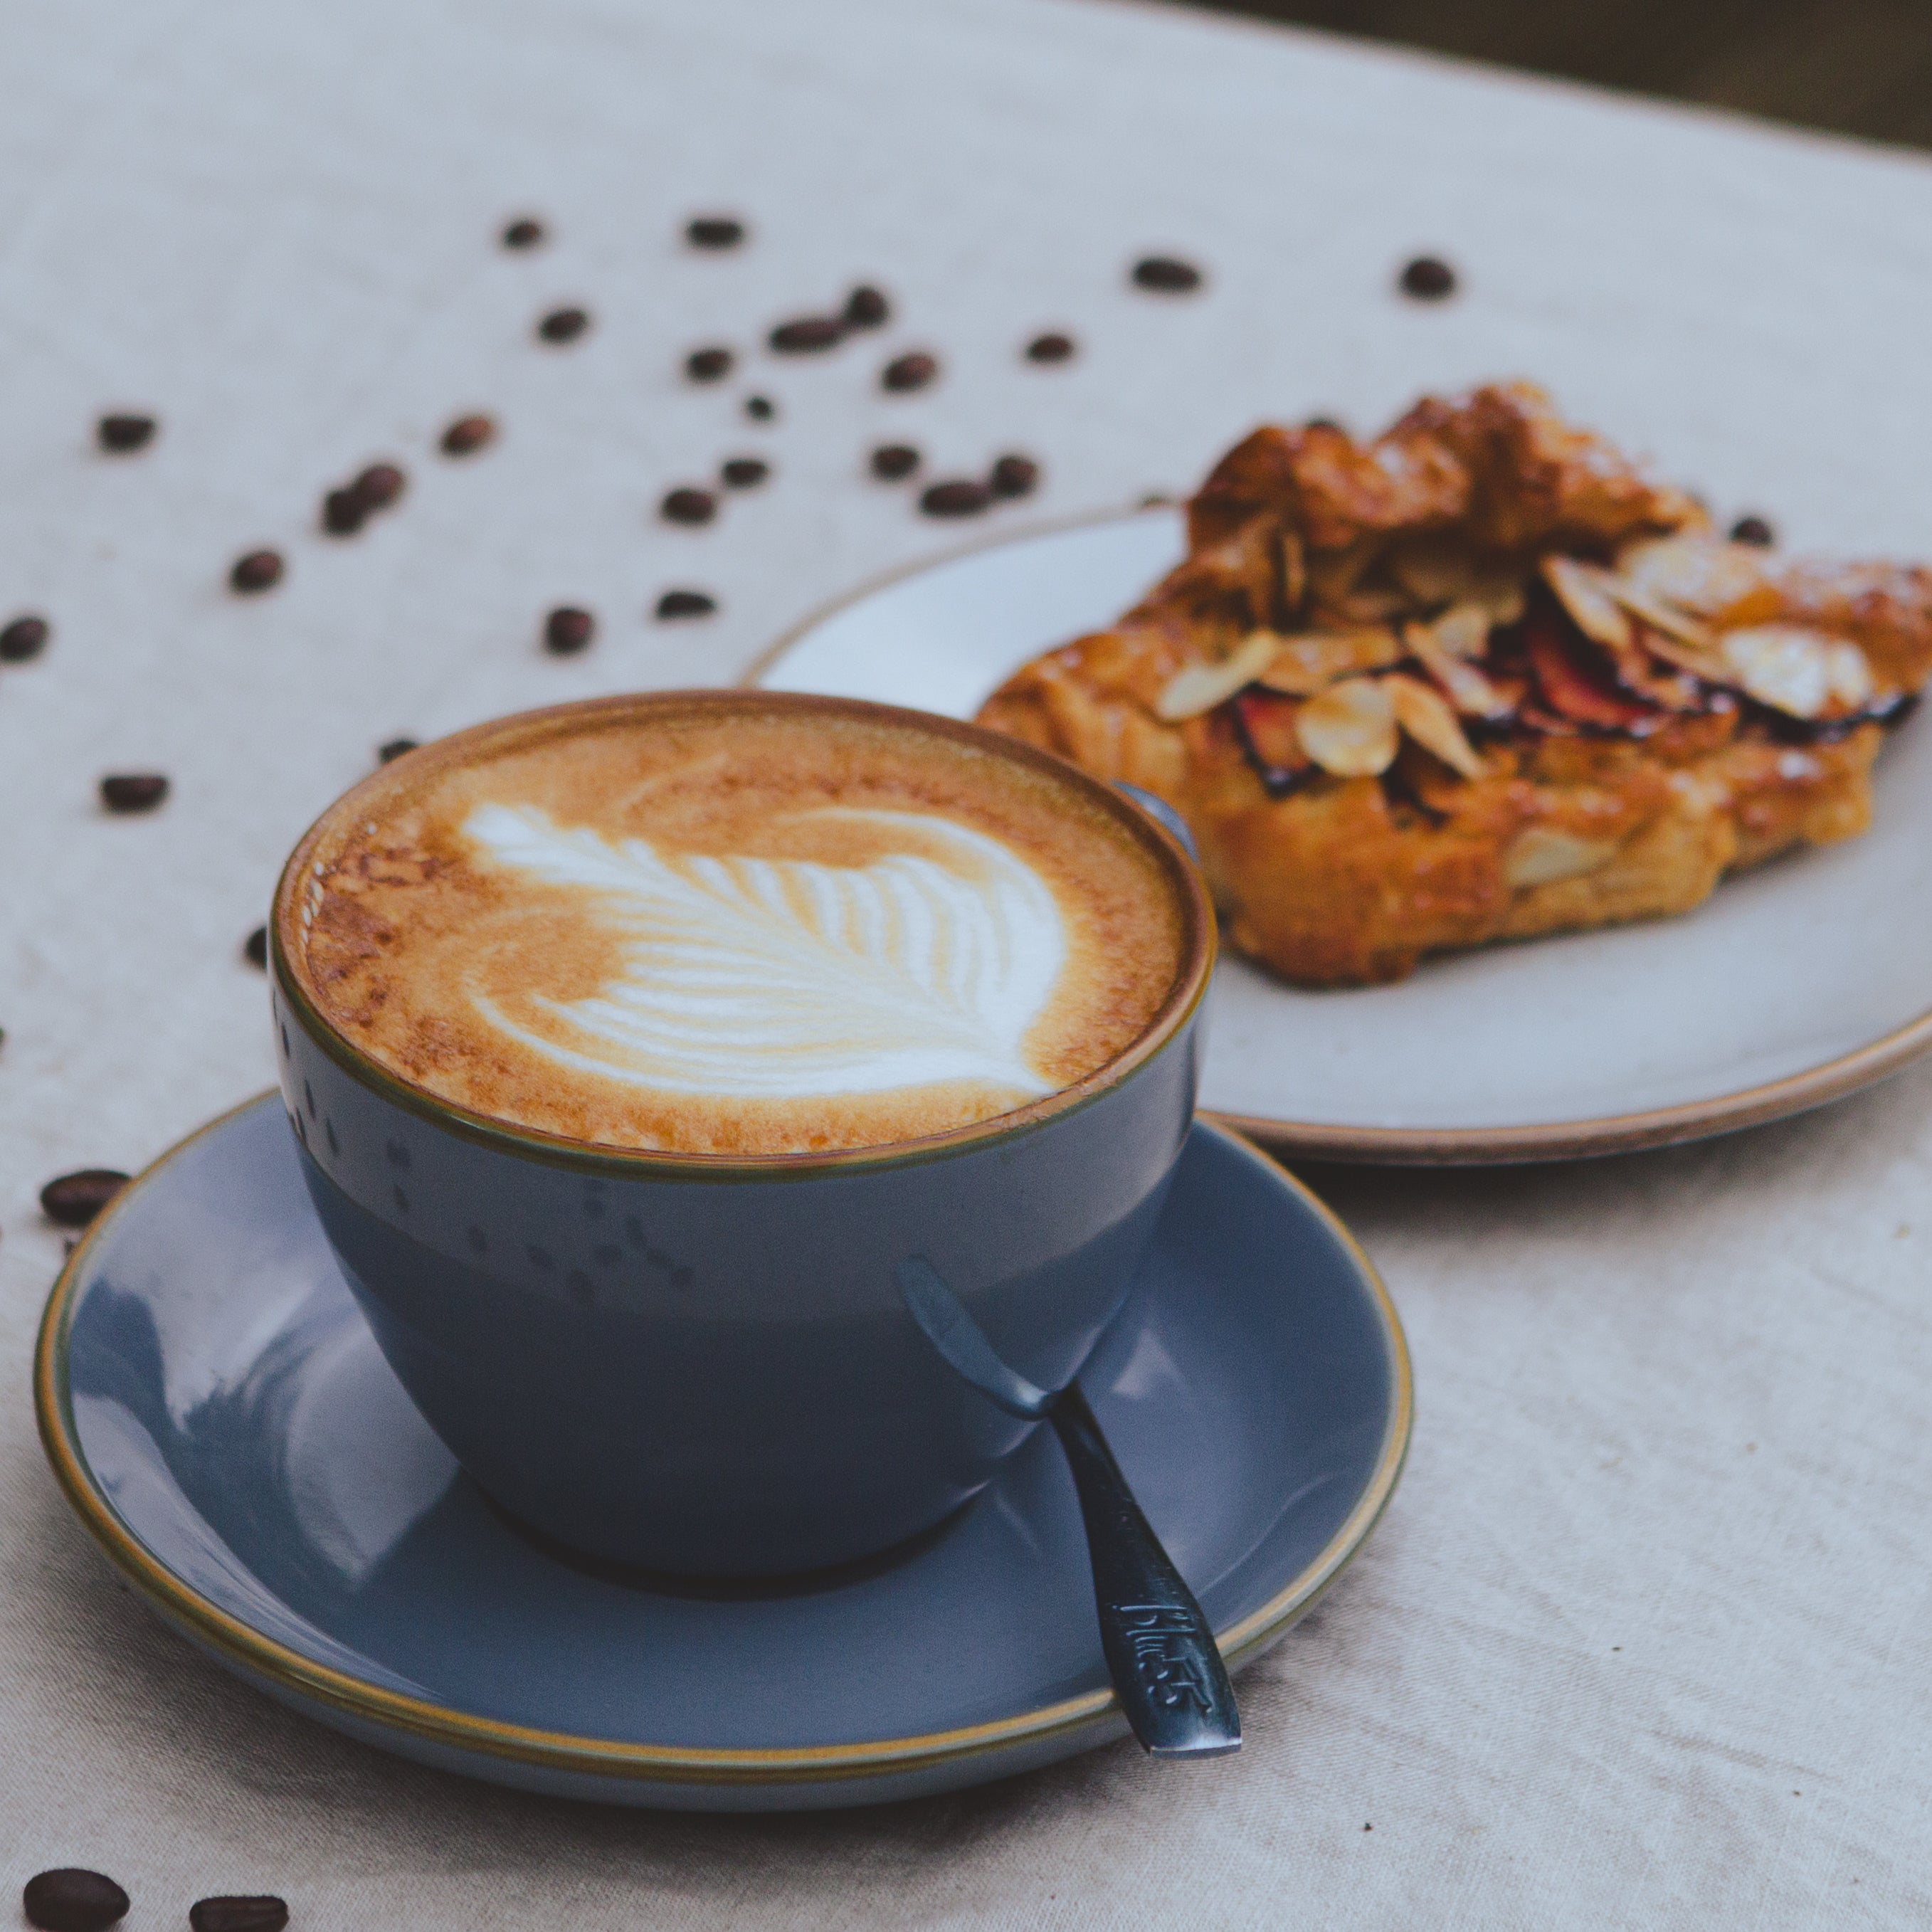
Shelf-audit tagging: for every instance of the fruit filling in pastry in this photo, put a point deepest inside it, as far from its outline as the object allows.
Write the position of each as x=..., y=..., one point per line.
x=1478, y=680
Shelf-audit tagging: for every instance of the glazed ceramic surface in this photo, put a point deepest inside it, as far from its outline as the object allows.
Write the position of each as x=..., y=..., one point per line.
x=702, y=1364
x=219, y=1413
x=1792, y=984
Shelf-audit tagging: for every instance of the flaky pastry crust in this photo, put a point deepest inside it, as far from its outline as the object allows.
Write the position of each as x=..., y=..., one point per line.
x=1478, y=679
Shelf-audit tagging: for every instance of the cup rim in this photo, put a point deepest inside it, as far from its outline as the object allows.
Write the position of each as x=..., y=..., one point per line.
x=611, y=1160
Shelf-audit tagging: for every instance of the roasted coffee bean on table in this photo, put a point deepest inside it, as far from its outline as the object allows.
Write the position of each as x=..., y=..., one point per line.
x=913, y=371
x=255, y=947
x=1166, y=275
x=1054, y=347
x=711, y=365
x=1428, y=278
x=468, y=434
x=1753, y=529
x=68, y=1899
x=714, y=231
x=961, y=497
x=258, y=571
x=72, y=1200
x=567, y=630
x=1014, y=475
x=893, y=462
x=761, y=409
x=123, y=432
x=380, y=485
x=744, y=472
x=25, y=637
x=261, y=1912
x=343, y=513
x=676, y=604
x=563, y=325
x=688, y=506
x=394, y=749
x=867, y=307
x=133, y=791
x=807, y=335
x=526, y=232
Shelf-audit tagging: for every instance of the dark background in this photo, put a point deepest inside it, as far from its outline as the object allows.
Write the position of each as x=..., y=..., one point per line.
x=1855, y=67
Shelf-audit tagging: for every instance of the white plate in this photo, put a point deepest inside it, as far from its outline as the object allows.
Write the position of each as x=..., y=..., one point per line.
x=1792, y=985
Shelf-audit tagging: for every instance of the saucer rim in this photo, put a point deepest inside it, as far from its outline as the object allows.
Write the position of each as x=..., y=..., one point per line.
x=1534, y=1141
x=290, y=1673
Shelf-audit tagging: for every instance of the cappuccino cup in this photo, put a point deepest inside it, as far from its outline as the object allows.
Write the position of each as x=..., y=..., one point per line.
x=633, y=1045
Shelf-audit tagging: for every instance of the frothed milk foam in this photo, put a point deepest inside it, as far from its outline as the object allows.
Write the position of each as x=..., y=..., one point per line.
x=766, y=931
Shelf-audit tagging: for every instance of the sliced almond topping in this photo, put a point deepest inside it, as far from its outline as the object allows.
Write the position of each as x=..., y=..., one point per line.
x=1502, y=597
x=1660, y=616
x=1849, y=673
x=1704, y=663
x=1702, y=573
x=1434, y=570
x=1349, y=729
x=1306, y=665
x=1464, y=629
x=1194, y=689
x=1541, y=855
x=1583, y=591
x=1469, y=691
x=1425, y=715
x=1792, y=669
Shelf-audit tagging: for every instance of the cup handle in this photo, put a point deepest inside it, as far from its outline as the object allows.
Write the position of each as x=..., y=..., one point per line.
x=1163, y=814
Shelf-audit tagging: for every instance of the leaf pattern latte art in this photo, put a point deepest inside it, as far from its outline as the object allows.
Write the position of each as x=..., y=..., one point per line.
x=779, y=979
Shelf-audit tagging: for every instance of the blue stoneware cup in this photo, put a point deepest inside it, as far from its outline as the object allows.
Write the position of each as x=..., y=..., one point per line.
x=700, y=1363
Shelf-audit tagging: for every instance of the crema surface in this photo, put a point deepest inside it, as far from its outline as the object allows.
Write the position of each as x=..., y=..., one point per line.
x=751, y=930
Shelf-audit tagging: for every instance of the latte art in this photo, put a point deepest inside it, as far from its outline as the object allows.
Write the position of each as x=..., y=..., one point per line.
x=765, y=979
x=729, y=923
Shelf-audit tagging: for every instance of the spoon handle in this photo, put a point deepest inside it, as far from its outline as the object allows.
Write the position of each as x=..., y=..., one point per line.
x=1162, y=1657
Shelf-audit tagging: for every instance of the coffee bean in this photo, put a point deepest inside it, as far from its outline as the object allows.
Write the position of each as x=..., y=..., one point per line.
x=744, y=472
x=388, y=753
x=380, y=485
x=709, y=365
x=893, y=462
x=467, y=435
x=761, y=409
x=263, y=1913
x=1155, y=499
x=72, y=1200
x=1051, y=347
x=1428, y=278
x=1014, y=476
x=343, y=513
x=1325, y=422
x=526, y=232
x=910, y=371
x=867, y=307
x=688, y=506
x=23, y=638
x=123, y=434
x=563, y=325
x=259, y=570
x=961, y=498
x=1752, y=529
x=68, y=1899
x=807, y=335
x=566, y=630
x=255, y=947
x=133, y=791
x=1166, y=275
x=714, y=231
x=675, y=604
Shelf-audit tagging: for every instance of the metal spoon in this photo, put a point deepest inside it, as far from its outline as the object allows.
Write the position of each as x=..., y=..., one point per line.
x=1166, y=1667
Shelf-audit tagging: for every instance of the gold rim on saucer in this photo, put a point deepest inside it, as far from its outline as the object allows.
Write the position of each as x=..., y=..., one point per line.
x=288, y=1669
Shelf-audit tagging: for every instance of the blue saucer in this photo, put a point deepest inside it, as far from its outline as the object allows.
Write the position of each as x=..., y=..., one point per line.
x=218, y=1412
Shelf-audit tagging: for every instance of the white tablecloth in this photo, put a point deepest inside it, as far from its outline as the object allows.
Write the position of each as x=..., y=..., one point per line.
x=1644, y=1640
